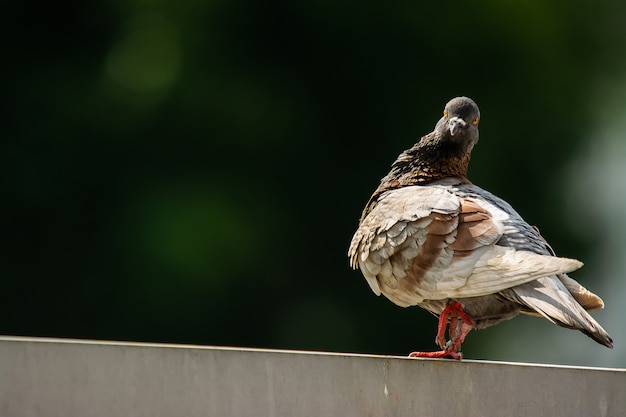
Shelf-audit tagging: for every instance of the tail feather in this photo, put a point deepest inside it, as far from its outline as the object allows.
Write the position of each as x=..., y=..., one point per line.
x=588, y=300
x=550, y=298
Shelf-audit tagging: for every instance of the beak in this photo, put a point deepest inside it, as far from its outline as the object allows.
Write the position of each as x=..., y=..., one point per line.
x=456, y=125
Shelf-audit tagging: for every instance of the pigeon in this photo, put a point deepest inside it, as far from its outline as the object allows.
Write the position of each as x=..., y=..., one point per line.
x=429, y=237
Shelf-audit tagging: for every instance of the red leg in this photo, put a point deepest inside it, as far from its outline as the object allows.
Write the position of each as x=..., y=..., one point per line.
x=457, y=308
x=465, y=329
x=441, y=326
x=452, y=329
x=457, y=331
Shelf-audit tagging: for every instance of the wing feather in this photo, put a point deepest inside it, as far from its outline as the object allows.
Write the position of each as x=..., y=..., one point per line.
x=421, y=243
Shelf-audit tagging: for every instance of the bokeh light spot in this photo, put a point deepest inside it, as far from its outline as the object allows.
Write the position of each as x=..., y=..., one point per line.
x=147, y=56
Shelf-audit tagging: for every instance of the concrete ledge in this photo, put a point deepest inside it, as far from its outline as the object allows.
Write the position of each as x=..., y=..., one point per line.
x=56, y=377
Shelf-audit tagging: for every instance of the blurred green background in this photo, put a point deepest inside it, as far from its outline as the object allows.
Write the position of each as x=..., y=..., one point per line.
x=192, y=171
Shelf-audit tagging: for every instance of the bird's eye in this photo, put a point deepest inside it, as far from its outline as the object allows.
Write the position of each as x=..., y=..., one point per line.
x=475, y=121
x=445, y=113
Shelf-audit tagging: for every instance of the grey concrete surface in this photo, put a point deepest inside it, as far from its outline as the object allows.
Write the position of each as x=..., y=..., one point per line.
x=57, y=377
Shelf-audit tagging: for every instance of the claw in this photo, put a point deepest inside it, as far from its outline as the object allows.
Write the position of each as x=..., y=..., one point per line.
x=457, y=330
x=446, y=354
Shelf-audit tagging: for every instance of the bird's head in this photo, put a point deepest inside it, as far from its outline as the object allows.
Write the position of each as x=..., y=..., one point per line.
x=459, y=123
x=443, y=153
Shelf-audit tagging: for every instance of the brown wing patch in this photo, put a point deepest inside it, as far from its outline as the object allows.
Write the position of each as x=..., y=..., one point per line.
x=476, y=228
x=438, y=235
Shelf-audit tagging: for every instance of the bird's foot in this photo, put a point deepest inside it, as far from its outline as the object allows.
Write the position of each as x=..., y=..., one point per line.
x=446, y=354
x=460, y=325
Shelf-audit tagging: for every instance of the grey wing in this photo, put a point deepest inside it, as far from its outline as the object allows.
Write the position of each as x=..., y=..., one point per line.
x=557, y=297
x=396, y=227
x=426, y=242
x=517, y=233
